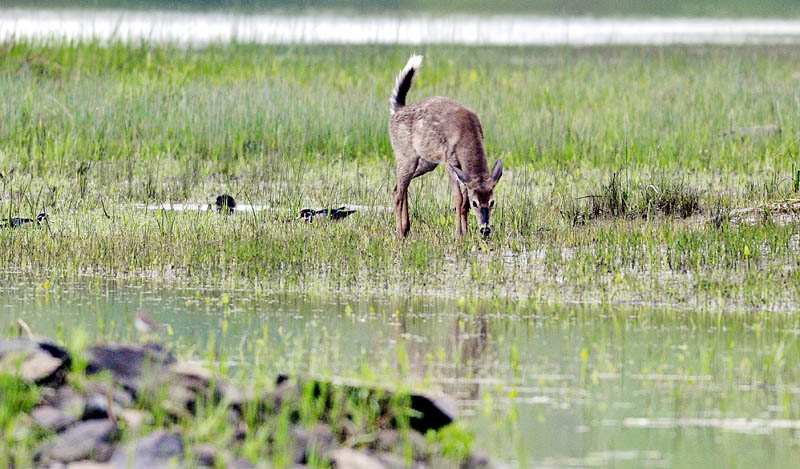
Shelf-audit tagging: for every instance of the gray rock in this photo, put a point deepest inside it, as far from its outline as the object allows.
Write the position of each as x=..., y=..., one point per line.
x=431, y=412
x=51, y=418
x=119, y=396
x=393, y=461
x=241, y=463
x=42, y=363
x=134, y=419
x=319, y=439
x=89, y=465
x=428, y=412
x=130, y=364
x=393, y=441
x=346, y=458
x=80, y=441
x=67, y=400
x=477, y=461
x=155, y=451
x=205, y=454
x=96, y=408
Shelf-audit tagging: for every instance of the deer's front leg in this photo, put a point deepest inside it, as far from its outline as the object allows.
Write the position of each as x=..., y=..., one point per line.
x=458, y=200
x=464, y=220
x=405, y=172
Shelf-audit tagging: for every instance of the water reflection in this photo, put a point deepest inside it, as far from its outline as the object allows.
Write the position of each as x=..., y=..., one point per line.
x=541, y=386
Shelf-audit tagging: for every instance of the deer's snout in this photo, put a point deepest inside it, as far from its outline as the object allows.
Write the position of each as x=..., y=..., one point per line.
x=483, y=220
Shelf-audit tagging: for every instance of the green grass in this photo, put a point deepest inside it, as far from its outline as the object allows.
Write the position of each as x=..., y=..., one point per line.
x=620, y=163
x=16, y=400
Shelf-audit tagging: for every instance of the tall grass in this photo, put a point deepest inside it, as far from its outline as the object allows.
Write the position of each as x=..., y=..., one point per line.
x=617, y=159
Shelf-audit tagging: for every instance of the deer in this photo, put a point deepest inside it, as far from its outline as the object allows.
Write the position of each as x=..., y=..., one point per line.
x=434, y=131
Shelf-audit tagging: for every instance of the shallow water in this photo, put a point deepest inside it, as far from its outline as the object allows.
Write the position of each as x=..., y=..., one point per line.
x=540, y=386
x=205, y=27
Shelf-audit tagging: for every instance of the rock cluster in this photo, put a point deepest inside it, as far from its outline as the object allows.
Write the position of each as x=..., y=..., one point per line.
x=91, y=422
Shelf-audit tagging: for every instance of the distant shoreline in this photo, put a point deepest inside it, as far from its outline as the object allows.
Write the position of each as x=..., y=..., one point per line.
x=198, y=28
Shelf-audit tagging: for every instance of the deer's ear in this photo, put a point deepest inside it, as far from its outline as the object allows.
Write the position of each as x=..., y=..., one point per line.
x=497, y=171
x=463, y=177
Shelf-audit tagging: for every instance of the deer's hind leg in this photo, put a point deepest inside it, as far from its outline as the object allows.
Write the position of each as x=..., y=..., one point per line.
x=406, y=168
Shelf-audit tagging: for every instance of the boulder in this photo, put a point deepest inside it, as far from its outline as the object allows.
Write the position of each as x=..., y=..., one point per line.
x=80, y=441
x=134, y=419
x=42, y=363
x=431, y=412
x=51, y=418
x=346, y=458
x=155, y=451
x=89, y=465
x=393, y=441
x=428, y=412
x=131, y=365
x=319, y=439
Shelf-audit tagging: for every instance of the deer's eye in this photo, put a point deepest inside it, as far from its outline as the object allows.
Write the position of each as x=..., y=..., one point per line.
x=475, y=203
x=491, y=203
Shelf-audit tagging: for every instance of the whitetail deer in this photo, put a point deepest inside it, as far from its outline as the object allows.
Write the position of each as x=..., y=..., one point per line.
x=439, y=130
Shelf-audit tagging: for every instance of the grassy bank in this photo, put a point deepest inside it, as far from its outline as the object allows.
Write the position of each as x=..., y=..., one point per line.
x=623, y=166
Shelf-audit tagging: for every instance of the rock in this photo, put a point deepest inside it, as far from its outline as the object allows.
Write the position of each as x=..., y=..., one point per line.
x=89, y=465
x=42, y=363
x=180, y=400
x=68, y=401
x=118, y=395
x=428, y=412
x=477, y=461
x=51, y=418
x=391, y=460
x=240, y=463
x=319, y=439
x=134, y=419
x=346, y=458
x=206, y=454
x=80, y=441
x=393, y=441
x=128, y=363
x=432, y=412
x=97, y=407
x=157, y=450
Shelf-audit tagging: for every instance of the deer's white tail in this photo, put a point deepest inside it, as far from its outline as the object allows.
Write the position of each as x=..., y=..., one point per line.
x=403, y=83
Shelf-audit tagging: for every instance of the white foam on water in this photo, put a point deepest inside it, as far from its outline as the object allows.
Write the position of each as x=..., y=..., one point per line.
x=206, y=27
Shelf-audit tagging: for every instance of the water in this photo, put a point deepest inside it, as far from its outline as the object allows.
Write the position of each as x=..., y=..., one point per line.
x=541, y=386
x=205, y=27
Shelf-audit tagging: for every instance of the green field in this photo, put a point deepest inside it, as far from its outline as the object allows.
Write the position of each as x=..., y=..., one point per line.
x=622, y=167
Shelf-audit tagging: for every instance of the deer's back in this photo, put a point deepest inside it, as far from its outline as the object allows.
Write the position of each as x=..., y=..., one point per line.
x=439, y=129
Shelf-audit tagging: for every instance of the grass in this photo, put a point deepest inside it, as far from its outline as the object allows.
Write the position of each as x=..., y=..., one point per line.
x=618, y=163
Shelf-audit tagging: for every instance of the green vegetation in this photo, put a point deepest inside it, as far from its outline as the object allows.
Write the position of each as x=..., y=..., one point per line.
x=623, y=165
x=16, y=400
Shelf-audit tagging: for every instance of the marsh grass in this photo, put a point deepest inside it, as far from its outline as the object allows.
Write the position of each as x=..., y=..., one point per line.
x=615, y=157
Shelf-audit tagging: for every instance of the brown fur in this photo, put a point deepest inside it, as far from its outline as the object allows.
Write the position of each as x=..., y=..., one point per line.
x=435, y=131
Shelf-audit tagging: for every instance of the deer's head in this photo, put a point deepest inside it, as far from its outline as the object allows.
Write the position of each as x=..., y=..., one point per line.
x=481, y=193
